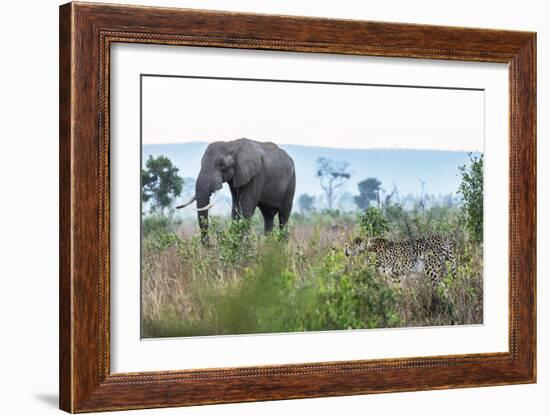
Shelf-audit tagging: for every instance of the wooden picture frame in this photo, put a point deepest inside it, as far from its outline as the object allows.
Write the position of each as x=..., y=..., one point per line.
x=86, y=33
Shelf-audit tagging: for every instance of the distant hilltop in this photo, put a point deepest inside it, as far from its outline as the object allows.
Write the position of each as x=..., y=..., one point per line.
x=406, y=169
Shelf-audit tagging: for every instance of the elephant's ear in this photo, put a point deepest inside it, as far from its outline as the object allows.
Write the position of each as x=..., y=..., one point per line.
x=248, y=163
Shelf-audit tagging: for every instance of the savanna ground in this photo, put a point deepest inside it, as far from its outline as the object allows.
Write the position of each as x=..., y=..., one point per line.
x=300, y=280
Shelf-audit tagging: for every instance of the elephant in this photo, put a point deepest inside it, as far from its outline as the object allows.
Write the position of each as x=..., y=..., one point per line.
x=259, y=174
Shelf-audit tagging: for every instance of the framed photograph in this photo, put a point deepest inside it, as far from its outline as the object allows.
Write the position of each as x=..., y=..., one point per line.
x=258, y=207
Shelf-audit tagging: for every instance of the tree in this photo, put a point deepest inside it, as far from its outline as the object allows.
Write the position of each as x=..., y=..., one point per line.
x=471, y=189
x=369, y=191
x=306, y=203
x=387, y=198
x=160, y=183
x=333, y=174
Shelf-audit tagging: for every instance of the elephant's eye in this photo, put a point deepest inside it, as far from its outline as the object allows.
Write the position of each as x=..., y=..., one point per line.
x=224, y=163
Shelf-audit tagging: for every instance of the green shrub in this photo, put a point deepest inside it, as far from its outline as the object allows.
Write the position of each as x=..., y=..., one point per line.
x=270, y=297
x=260, y=302
x=264, y=299
x=159, y=241
x=353, y=299
x=155, y=223
x=235, y=240
x=372, y=222
x=421, y=221
x=463, y=293
x=471, y=189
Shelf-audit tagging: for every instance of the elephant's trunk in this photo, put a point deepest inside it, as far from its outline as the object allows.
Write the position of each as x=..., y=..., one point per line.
x=203, y=191
x=203, y=225
x=202, y=216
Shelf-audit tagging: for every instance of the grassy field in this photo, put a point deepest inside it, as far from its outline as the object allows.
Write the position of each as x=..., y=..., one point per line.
x=301, y=280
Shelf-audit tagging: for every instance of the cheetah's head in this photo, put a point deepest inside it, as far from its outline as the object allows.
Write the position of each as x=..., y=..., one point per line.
x=359, y=245
x=356, y=246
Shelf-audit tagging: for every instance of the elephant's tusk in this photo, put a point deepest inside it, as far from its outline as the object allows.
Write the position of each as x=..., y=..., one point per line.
x=211, y=204
x=187, y=203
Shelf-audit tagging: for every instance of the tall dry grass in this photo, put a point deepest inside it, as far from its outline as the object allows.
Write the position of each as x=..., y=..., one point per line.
x=248, y=283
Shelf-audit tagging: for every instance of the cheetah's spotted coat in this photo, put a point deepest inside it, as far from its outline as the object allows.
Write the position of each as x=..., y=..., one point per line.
x=428, y=255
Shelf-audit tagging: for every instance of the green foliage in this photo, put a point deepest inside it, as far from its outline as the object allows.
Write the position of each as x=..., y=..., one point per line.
x=352, y=299
x=155, y=224
x=369, y=191
x=471, y=189
x=457, y=300
x=234, y=241
x=291, y=282
x=298, y=279
x=271, y=297
x=463, y=292
x=325, y=218
x=265, y=300
x=372, y=222
x=160, y=183
x=422, y=220
x=158, y=233
x=160, y=241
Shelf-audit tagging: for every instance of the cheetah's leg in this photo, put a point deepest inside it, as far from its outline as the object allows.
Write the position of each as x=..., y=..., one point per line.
x=434, y=269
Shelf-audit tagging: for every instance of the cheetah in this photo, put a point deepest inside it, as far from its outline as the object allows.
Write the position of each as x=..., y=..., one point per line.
x=428, y=255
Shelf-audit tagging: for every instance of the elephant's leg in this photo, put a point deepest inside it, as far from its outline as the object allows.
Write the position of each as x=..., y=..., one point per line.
x=286, y=208
x=235, y=210
x=244, y=205
x=269, y=215
x=247, y=198
x=234, y=203
x=283, y=219
x=245, y=208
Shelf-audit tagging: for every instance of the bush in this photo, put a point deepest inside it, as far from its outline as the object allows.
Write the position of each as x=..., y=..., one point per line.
x=235, y=240
x=372, y=222
x=471, y=189
x=463, y=292
x=421, y=221
x=261, y=301
x=160, y=241
x=353, y=299
x=271, y=297
x=265, y=299
x=155, y=224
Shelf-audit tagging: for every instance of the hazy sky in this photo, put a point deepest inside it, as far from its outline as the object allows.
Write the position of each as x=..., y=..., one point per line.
x=177, y=110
